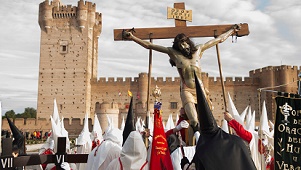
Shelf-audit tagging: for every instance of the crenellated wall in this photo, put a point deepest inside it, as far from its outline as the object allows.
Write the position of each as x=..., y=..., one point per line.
x=244, y=91
x=275, y=78
x=73, y=126
x=110, y=96
x=110, y=89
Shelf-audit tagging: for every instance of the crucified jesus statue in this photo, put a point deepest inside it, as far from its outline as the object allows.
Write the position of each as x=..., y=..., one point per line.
x=185, y=56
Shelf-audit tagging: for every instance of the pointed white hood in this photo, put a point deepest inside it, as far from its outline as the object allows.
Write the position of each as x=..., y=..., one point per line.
x=110, y=124
x=96, y=133
x=56, y=132
x=133, y=154
x=169, y=124
x=84, y=136
x=251, y=125
x=55, y=114
x=248, y=116
x=65, y=133
x=243, y=114
x=233, y=111
x=264, y=123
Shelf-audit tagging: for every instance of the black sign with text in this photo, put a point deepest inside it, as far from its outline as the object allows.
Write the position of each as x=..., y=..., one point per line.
x=7, y=162
x=287, y=137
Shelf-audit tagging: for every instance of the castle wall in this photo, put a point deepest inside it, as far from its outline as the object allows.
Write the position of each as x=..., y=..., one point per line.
x=242, y=92
x=110, y=96
x=272, y=79
x=117, y=91
x=73, y=126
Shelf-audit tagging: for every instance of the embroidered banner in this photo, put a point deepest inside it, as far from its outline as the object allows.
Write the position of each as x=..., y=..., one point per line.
x=287, y=137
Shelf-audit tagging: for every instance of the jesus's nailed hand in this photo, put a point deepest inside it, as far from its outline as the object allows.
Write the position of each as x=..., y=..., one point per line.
x=127, y=34
x=237, y=27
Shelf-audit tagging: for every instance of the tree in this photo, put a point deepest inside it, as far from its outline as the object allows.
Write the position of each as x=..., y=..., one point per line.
x=10, y=114
x=29, y=112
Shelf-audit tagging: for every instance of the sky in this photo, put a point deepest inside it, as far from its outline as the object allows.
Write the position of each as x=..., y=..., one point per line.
x=274, y=39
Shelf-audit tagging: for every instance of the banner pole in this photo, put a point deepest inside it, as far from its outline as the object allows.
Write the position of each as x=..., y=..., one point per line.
x=221, y=76
x=222, y=81
x=299, y=84
x=148, y=87
x=259, y=128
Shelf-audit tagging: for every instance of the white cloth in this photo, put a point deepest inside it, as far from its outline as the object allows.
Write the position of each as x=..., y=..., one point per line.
x=114, y=135
x=84, y=149
x=182, y=124
x=109, y=149
x=133, y=154
x=258, y=158
x=176, y=156
x=113, y=153
x=85, y=143
x=49, y=144
x=64, y=165
x=96, y=134
x=254, y=151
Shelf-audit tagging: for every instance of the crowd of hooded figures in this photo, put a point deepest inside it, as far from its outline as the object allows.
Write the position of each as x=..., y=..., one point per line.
x=246, y=147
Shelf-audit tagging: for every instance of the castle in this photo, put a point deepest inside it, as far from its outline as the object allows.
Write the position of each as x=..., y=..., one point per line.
x=68, y=73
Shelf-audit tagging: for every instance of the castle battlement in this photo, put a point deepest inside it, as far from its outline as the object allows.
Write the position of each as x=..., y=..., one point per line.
x=112, y=79
x=274, y=68
x=23, y=122
x=288, y=67
x=85, y=4
x=121, y=81
x=74, y=125
x=68, y=11
x=85, y=14
x=242, y=81
x=175, y=80
x=64, y=12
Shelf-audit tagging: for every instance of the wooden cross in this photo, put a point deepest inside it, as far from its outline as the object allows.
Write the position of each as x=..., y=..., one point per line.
x=190, y=31
x=180, y=27
x=10, y=162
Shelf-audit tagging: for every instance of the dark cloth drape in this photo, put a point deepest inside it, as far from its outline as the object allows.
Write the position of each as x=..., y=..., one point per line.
x=221, y=150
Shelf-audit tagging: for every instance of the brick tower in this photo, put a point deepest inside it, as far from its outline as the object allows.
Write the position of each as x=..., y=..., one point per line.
x=68, y=57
